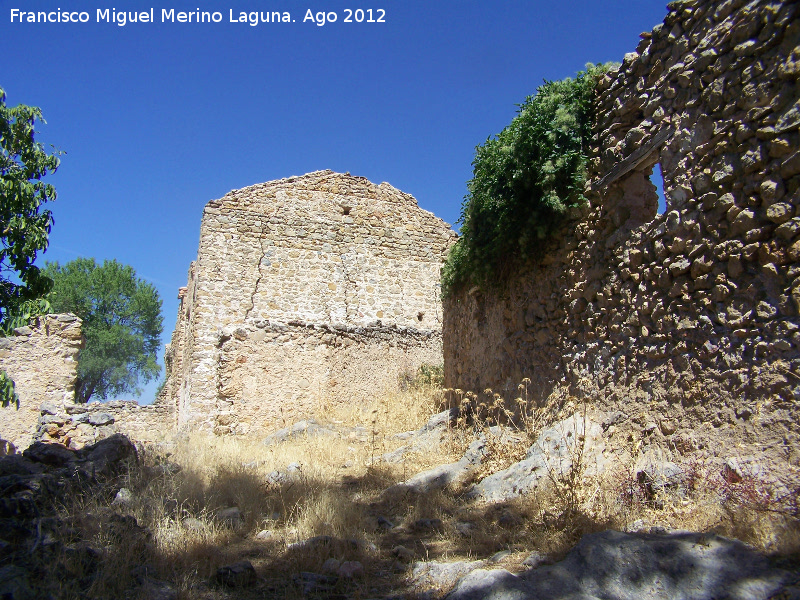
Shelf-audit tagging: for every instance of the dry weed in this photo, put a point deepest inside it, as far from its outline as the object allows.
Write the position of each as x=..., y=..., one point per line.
x=321, y=497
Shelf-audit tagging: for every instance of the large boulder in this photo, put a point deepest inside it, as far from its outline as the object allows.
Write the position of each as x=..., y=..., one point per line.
x=52, y=455
x=103, y=459
x=31, y=485
x=440, y=477
x=107, y=457
x=637, y=566
x=574, y=443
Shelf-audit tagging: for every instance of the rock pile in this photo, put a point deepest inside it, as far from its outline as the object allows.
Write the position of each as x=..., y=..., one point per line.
x=73, y=425
x=42, y=555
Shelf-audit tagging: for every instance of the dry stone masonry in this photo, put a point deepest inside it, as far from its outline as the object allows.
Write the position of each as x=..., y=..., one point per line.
x=685, y=323
x=76, y=425
x=43, y=362
x=42, y=359
x=322, y=288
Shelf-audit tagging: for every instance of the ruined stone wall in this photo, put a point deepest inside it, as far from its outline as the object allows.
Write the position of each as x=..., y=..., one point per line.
x=42, y=359
x=308, y=290
x=43, y=362
x=686, y=322
x=79, y=425
x=177, y=368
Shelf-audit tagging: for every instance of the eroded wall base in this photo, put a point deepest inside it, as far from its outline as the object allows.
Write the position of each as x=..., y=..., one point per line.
x=274, y=375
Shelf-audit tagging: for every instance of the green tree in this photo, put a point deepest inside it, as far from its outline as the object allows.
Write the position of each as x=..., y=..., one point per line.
x=24, y=224
x=122, y=323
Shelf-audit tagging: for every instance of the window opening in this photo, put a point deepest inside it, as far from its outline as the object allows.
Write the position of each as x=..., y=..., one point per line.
x=657, y=179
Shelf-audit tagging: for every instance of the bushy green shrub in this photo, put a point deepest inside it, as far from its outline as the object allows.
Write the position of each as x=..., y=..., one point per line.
x=426, y=376
x=524, y=182
x=429, y=376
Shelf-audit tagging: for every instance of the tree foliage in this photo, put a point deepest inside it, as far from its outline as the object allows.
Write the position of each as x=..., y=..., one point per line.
x=24, y=224
x=122, y=323
x=24, y=314
x=525, y=180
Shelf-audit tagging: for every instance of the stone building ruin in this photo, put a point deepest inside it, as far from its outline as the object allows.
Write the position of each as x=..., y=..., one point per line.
x=686, y=323
x=42, y=360
x=684, y=326
x=306, y=291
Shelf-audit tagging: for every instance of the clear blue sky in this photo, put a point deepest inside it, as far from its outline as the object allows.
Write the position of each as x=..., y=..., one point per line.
x=156, y=119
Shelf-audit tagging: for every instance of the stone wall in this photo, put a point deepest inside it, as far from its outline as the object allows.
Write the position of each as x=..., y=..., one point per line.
x=79, y=425
x=42, y=360
x=686, y=322
x=306, y=291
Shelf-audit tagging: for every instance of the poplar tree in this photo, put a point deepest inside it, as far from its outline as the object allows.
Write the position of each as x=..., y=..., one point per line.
x=122, y=323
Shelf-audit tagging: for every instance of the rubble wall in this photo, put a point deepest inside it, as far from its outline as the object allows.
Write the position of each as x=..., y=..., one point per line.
x=79, y=425
x=43, y=362
x=685, y=320
x=42, y=359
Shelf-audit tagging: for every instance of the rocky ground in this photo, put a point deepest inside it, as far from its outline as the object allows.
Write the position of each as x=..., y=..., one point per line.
x=73, y=526
x=43, y=554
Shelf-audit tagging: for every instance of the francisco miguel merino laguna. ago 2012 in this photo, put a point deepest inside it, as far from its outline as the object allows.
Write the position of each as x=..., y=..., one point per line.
x=170, y=15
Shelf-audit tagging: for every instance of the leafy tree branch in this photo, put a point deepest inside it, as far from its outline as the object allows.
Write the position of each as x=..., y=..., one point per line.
x=24, y=223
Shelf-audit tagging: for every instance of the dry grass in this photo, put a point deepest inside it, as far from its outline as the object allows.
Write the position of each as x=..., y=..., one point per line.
x=334, y=489
x=754, y=511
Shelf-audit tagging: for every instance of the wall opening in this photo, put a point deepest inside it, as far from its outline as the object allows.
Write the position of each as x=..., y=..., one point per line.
x=635, y=200
x=657, y=179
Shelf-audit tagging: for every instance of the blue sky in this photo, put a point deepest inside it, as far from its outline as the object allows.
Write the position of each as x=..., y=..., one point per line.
x=156, y=119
